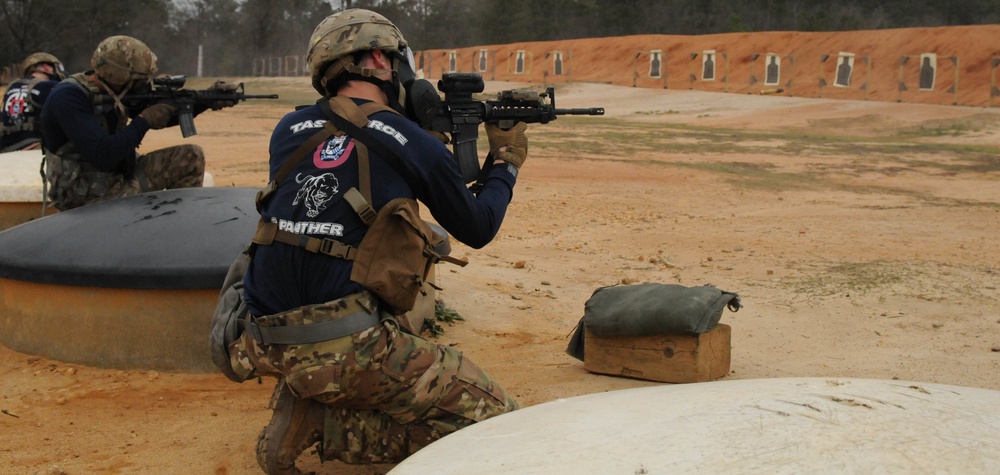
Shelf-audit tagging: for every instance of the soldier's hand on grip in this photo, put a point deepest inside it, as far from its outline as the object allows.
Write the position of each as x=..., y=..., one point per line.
x=223, y=87
x=509, y=145
x=158, y=115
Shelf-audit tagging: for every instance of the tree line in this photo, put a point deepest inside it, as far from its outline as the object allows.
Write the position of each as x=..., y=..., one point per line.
x=232, y=33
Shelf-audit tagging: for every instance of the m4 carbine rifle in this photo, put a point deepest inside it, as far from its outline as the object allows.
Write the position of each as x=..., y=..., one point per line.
x=189, y=102
x=460, y=115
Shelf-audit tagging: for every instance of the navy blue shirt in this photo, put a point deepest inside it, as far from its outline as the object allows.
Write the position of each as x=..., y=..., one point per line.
x=19, y=108
x=310, y=201
x=68, y=116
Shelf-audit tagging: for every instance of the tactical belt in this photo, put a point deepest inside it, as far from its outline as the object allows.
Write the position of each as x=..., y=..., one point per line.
x=329, y=321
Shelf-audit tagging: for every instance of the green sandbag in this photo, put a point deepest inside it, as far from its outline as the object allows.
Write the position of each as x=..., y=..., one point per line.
x=651, y=309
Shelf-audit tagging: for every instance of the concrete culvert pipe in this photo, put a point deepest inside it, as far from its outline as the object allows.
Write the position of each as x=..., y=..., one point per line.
x=128, y=283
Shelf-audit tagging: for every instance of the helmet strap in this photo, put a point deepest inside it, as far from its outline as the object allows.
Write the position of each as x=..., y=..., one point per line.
x=117, y=96
x=399, y=86
x=394, y=92
x=387, y=88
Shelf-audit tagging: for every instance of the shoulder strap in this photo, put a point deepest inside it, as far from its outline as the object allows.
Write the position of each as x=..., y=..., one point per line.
x=96, y=96
x=296, y=157
x=347, y=108
x=362, y=136
x=268, y=233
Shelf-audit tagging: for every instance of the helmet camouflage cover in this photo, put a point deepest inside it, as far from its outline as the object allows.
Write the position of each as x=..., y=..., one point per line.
x=339, y=36
x=120, y=59
x=35, y=59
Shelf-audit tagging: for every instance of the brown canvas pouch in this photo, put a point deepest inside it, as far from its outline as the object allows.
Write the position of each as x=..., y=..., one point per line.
x=396, y=255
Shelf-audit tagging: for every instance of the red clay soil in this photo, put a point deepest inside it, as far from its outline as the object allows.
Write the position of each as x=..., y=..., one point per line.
x=870, y=261
x=886, y=62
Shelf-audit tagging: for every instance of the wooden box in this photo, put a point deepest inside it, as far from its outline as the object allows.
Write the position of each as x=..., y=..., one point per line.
x=675, y=358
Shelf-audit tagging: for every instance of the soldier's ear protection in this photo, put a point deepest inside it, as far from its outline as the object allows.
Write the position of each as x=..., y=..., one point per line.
x=416, y=96
x=403, y=76
x=423, y=103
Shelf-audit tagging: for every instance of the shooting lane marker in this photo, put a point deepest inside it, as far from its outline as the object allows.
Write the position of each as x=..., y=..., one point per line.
x=994, y=90
x=753, y=64
x=928, y=71
x=843, y=72
x=902, y=78
x=290, y=66
x=868, y=74
x=522, y=65
x=560, y=66
x=725, y=77
x=772, y=69
x=444, y=62
x=954, y=87
x=483, y=61
x=822, y=74
x=274, y=66
x=635, y=68
x=424, y=60
x=923, y=73
x=791, y=72
x=708, y=65
x=655, y=67
x=845, y=67
x=782, y=425
x=691, y=76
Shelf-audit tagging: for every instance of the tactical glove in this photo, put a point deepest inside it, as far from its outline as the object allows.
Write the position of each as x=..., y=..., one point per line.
x=443, y=138
x=158, y=115
x=510, y=145
x=224, y=88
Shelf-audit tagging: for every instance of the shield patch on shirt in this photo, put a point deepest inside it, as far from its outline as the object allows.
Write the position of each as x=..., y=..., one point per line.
x=333, y=152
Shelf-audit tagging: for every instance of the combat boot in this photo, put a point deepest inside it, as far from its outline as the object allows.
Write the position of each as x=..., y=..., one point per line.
x=296, y=425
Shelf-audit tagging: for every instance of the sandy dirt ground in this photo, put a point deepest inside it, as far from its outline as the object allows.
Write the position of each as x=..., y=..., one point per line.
x=861, y=237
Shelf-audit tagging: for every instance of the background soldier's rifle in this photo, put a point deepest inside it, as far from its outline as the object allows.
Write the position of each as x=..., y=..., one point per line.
x=460, y=115
x=189, y=102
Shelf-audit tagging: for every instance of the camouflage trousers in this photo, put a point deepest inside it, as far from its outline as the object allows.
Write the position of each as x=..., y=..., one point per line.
x=388, y=393
x=180, y=166
x=74, y=183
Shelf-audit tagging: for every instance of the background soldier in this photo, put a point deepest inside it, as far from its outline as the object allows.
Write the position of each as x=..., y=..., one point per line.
x=20, y=127
x=345, y=360
x=90, y=144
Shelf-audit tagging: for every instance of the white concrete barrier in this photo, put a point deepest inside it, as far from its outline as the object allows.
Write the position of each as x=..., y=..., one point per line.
x=772, y=426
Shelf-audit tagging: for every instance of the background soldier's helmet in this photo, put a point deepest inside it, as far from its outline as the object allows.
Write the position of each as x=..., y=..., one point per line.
x=28, y=66
x=121, y=59
x=339, y=36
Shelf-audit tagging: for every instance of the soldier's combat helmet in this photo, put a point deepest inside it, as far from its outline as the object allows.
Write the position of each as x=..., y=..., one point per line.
x=33, y=60
x=334, y=45
x=122, y=60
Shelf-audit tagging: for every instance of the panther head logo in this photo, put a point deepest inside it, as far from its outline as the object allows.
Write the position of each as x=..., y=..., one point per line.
x=316, y=192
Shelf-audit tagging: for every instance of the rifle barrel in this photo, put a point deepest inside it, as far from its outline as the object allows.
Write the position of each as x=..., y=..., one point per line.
x=586, y=111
